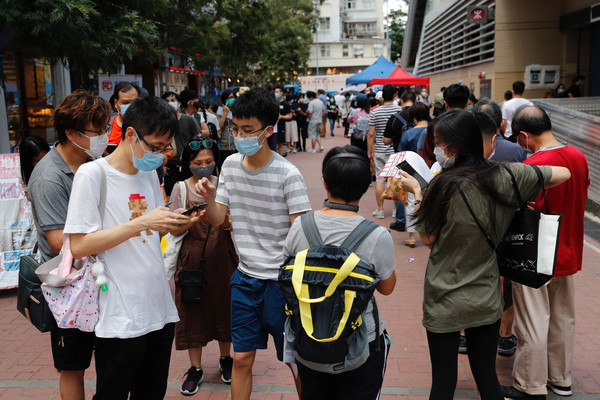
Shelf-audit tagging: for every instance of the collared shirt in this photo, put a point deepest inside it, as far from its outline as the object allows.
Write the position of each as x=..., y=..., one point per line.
x=49, y=191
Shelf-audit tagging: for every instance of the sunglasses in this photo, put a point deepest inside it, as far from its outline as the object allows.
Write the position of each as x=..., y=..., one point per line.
x=204, y=143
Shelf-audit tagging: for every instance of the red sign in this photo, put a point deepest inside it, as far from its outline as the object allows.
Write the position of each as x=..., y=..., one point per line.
x=107, y=86
x=477, y=14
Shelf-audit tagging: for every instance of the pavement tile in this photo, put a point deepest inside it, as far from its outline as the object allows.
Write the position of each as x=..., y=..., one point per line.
x=27, y=372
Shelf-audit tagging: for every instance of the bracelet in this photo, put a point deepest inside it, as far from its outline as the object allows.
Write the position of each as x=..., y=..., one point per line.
x=417, y=202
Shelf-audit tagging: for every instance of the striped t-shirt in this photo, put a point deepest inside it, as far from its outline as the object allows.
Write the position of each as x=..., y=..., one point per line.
x=260, y=203
x=379, y=118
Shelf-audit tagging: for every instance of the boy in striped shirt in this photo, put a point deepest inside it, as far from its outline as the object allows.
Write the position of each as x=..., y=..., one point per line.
x=264, y=194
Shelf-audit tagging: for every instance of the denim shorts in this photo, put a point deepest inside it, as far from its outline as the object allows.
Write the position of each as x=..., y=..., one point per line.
x=257, y=311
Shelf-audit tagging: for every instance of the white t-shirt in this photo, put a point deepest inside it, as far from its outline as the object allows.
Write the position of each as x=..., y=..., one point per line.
x=220, y=112
x=212, y=118
x=508, y=110
x=138, y=299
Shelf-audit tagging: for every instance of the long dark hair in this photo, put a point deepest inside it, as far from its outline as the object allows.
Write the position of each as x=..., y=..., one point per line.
x=458, y=129
x=29, y=148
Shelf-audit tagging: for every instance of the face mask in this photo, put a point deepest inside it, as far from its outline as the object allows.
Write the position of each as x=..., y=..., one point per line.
x=202, y=172
x=493, y=152
x=561, y=90
x=229, y=102
x=277, y=95
x=470, y=107
x=149, y=162
x=97, y=145
x=441, y=157
x=124, y=108
x=174, y=104
x=526, y=148
x=248, y=146
x=424, y=94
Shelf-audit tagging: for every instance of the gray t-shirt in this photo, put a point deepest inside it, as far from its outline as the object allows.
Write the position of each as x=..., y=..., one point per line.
x=316, y=108
x=377, y=250
x=49, y=190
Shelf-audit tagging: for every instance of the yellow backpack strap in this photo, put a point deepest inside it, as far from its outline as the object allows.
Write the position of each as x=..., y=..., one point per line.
x=306, y=316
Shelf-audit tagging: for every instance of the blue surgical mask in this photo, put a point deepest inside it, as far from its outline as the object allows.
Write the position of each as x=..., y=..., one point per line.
x=229, y=102
x=277, y=95
x=149, y=162
x=248, y=146
x=124, y=108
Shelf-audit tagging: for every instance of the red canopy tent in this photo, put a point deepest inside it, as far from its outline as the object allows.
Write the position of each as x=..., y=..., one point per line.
x=400, y=77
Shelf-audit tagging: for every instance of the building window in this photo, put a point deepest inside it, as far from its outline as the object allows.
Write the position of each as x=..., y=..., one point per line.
x=362, y=29
x=351, y=4
x=377, y=50
x=324, y=24
x=325, y=50
x=367, y=4
x=345, y=51
x=359, y=50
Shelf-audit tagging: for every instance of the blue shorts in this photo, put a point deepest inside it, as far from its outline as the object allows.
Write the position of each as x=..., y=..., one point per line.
x=257, y=311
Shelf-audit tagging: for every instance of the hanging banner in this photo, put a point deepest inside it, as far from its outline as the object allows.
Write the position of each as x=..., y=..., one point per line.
x=107, y=83
x=17, y=231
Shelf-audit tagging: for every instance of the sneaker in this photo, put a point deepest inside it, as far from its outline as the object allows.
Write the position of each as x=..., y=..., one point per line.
x=462, y=345
x=511, y=393
x=294, y=151
x=394, y=213
x=560, y=390
x=321, y=149
x=226, y=365
x=194, y=378
x=507, y=345
x=379, y=214
x=285, y=153
x=312, y=151
x=398, y=226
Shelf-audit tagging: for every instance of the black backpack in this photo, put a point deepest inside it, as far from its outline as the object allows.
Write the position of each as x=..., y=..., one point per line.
x=327, y=289
x=406, y=125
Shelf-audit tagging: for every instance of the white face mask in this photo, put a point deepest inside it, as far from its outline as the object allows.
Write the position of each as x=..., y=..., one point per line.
x=493, y=149
x=97, y=145
x=174, y=104
x=526, y=148
x=441, y=157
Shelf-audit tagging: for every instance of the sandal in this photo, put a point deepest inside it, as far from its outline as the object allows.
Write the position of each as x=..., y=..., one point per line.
x=410, y=243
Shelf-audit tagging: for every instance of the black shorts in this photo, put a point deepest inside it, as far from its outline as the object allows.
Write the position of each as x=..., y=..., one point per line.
x=72, y=349
x=281, y=136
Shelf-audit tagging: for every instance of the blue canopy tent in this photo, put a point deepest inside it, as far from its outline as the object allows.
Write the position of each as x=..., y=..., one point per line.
x=381, y=68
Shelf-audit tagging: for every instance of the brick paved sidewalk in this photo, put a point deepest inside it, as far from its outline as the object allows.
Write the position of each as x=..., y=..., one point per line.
x=26, y=369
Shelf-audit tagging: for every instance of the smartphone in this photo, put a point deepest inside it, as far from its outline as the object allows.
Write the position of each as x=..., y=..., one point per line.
x=197, y=207
x=406, y=167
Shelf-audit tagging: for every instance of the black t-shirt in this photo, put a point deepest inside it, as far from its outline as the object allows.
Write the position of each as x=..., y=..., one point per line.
x=394, y=127
x=332, y=110
x=284, y=109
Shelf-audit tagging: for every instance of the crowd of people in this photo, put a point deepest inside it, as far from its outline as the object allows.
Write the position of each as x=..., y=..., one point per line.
x=230, y=157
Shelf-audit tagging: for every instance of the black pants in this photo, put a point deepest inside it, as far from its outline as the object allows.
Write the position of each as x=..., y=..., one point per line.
x=139, y=366
x=482, y=343
x=346, y=125
x=363, y=383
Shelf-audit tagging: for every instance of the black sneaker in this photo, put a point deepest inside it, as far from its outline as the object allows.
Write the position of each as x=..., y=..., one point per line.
x=226, y=365
x=507, y=345
x=398, y=226
x=194, y=378
x=560, y=390
x=511, y=393
x=462, y=345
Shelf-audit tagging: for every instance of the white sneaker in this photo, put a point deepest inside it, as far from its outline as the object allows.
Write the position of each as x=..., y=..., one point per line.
x=321, y=149
x=394, y=213
x=379, y=214
x=312, y=151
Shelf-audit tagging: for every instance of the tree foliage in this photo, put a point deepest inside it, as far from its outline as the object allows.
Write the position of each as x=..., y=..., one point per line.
x=397, y=27
x=260, y=39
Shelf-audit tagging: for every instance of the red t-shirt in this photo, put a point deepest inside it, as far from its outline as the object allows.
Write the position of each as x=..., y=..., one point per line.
x=567, y=199
x=114, y=137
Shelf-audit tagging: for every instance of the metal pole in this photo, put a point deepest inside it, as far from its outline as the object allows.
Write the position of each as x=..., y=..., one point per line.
x=317, y=44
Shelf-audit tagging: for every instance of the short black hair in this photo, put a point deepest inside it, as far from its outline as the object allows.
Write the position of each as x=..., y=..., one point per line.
x=347, y=178
x=419, y=111
x=169, y=94
x=531, y=119
x=491, y=108
x=258, y=104
x=151, y=115
x=456, y=96
x=311, y=95
x=485, y=122
x=124, y=87
x=389, y=91
x=408, y=95
x=187, y=155
x=576, y=78
x=186, y=96
x=225, y=95
x=518, y=87
x=443, y=88
x=473, y=98
x=508, y=95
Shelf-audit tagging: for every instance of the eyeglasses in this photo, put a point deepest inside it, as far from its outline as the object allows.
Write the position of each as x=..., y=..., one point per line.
x=156, y=149
x=244, y=134
x=197, y=143
x=98, y=133
x=437, y=141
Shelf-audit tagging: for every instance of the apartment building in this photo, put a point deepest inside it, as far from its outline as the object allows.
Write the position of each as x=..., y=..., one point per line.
x=349, y=36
